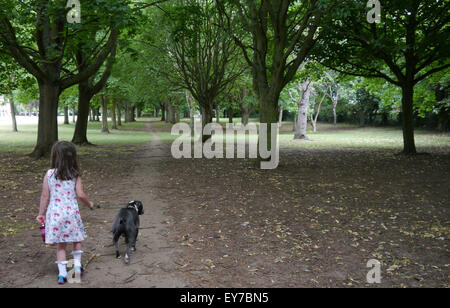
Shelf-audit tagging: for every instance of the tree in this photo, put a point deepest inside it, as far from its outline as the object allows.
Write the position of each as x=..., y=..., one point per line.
x=87, y=89
x=302, y=98
x=315, y=111
x=46, y=52
x=206, y=57
x=69, y=98
x=442, y=106
x=282, y=33
x=104, y=104
x=241, y=96
x=140, y=76
x=12, y=77
x=410, y=44
x=332, y=81
x=367, y=105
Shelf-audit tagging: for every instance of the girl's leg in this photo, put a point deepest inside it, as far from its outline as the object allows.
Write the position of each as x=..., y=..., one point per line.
x=62, y=262
x=61, y=252
x=77, y=252
x=77, y=246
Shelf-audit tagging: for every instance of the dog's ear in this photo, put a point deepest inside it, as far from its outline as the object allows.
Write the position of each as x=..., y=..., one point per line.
x=140, y=207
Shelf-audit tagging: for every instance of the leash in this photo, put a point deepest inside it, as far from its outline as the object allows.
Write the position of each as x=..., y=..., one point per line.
x=116, y=207
x=107, y=207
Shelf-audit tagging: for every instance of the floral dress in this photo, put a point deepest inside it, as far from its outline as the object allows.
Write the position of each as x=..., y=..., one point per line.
x=63, y=221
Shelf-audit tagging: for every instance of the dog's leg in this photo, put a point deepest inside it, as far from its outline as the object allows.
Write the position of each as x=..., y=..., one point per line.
x=135, y=240
x=127, y=254
x=116, y=245
x=131, y=236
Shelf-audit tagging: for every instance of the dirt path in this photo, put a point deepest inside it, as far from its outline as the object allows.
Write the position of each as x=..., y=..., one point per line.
x=153, y=264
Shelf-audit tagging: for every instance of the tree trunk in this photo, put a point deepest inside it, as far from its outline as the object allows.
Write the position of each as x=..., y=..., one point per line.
x=245, y=108
x=13, y=113
x=315, y=115
x=334, y=116
x=104, y=102
x=245, y=116
x=167, y=112
x=313, y=123
x=177, y=115
x=66, y=115
x=113, y=114
x=335, y=102
x=139, y=113
x=171, y=114
x=163, y=112
x=442, y=120
x=48, y=119
x=295, y=123
x=133, y=114
x=85, y=113
x=302, y=120
x=280, y=117
x=384, y=118
x=191, y=112
x=97, y=114
x=269, y=113
x=192, y=120
x=334, y=112
x=409, y=146
x=119, y=114
x=362, y=116
x=73, y=114
x=269, y=110
x=230, y=115
x=207, y=117
x=127, y=112
x=217, y=115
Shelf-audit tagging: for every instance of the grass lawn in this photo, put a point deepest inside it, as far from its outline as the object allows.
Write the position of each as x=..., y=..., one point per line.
x=25, y=139
x=349, y=136
x=329, y=136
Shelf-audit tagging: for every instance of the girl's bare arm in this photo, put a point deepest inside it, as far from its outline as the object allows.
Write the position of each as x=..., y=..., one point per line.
x=81, y=195
x=45, y=198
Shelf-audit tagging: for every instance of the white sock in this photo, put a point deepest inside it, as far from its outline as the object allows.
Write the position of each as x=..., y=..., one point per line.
x=62, y=267
x=77, y=257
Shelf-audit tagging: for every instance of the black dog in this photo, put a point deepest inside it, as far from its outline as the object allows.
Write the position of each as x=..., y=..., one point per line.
x=127, y=224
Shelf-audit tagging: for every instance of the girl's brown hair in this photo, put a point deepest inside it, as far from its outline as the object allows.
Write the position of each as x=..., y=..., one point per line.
x=64, y=160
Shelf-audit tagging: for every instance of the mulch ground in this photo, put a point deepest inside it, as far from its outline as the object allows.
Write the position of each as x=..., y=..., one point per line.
x=314, y=222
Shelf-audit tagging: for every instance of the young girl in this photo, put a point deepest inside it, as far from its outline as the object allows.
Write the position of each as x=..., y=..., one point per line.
x=59, y=207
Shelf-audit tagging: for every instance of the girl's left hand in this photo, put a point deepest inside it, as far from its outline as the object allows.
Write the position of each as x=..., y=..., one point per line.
x=40, y=219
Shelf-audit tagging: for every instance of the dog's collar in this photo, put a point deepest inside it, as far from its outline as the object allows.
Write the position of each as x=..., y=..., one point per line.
x=133, y=206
